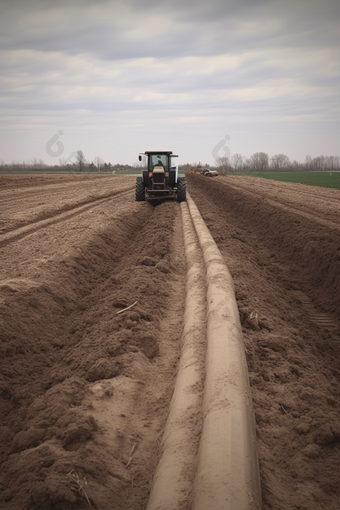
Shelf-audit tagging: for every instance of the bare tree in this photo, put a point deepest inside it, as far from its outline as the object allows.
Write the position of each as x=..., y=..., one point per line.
x=80, y=158
x=333, y=162
x=223, y=164
x=37, y=163
x=280, y=162
x=98, y=162
x=296, y=166
x=322, y=163
x=259, y=161
x=237, y=161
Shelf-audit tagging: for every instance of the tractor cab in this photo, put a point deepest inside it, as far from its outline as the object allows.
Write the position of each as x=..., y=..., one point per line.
x=158, y=160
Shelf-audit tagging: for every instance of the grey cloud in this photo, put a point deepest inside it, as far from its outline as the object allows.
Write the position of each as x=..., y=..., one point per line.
x=112, y=30
x=156, y=59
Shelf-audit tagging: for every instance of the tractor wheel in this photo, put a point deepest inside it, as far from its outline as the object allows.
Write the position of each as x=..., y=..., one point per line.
x=140, y=190
x=181, y=189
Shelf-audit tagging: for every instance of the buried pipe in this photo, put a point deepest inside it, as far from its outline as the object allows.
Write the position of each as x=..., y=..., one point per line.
x=226, y=473
x=172, y=482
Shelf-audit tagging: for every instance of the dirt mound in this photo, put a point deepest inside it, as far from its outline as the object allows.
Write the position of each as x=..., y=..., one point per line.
x=60, y=334
x=307, y=247
x=293, y=361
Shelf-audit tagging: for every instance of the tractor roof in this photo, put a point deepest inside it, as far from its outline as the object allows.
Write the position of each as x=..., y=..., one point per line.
x=158, y=152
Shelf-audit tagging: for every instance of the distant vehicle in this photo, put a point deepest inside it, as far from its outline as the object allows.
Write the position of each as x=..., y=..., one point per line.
x=210, y=173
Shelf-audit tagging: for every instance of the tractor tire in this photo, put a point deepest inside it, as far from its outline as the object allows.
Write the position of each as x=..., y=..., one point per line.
x=140, y=190
x=181, y=189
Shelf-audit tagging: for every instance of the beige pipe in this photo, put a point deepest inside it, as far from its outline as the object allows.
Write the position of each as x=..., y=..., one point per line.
x=227, y=476
x=172, y=482
x=227, y=472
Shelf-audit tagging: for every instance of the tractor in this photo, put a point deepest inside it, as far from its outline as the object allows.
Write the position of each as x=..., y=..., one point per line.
x=160, y=180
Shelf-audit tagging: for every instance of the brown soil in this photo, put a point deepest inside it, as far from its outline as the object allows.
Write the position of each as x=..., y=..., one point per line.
x=281, y=243
x=84, y=390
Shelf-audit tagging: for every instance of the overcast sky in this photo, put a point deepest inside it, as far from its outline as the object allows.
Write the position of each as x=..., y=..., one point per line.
x=115, y=78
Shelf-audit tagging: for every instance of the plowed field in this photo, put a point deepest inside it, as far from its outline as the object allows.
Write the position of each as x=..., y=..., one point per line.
x=92, y=300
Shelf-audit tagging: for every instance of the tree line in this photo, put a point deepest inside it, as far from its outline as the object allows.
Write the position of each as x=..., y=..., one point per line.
x=261, y=162
x=257, y=162
x=77, y=163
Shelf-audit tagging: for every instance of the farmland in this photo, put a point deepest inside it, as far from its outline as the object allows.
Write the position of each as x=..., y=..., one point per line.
x=325, y=179
x=93, y=292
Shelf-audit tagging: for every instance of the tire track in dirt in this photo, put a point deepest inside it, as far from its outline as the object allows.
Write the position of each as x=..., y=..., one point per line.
x=272, y=186
x=32, y=199
x=61, y=214
x=312, y=215
x=301, y=244
x=26, y=181
x=312, y=201
x=58, y=217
